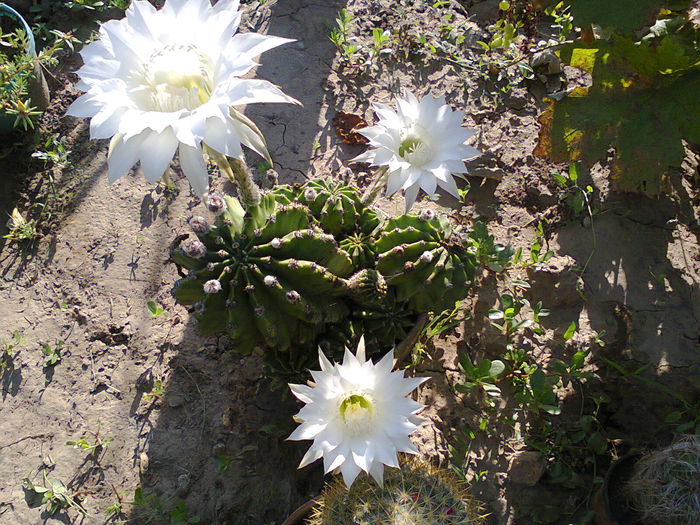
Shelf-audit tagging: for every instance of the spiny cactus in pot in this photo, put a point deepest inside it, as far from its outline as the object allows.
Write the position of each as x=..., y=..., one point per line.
x=665, y=484
x=425, y=260
x=415, y=493
x=266, y=275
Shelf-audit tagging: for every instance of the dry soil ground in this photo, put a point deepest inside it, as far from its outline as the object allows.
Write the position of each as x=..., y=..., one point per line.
x=213, y=438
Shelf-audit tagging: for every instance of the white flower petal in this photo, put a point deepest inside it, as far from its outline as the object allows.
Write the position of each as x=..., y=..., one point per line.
x=195, y=169
x=251, y=91
x=254, y=44
x=410, y=195
x=349, y=470
x=377, y=472
x=311, y=455
x=123, y=155
x=301, y=392
x=156, y=153
x=306, y=431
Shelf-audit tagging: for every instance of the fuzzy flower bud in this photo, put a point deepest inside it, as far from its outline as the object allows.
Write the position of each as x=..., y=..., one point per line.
x=194, y=248
x=216, y=203
x=426, y=257
x=310, y=194
x=270, y=280
x=293, y=296
x=199, y=225
x=276, y=242
x=212, y=286
x=427, y=215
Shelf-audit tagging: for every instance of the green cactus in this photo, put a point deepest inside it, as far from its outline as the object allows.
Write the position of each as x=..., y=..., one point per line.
x=360, y=247
x=367, y=288
x=425, y=261
x=336, y=205
x=417, y=493
x=265, y=275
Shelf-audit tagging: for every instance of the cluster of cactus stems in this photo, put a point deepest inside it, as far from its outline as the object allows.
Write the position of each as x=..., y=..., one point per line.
x=415, y=493
x=315, y=263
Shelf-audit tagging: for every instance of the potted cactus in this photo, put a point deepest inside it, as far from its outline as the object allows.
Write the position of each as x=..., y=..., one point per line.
x=661, y=487
x=417, y=492
x=665, y=484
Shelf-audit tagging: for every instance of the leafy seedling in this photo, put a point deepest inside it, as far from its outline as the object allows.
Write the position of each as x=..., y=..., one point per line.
x=482, y=375
x=55, y=496
x=154, y=309
x=94, y=448
x=52, y=355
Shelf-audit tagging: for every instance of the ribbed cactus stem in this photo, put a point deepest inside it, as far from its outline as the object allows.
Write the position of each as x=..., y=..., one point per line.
x=379, y=182
x=238, y=173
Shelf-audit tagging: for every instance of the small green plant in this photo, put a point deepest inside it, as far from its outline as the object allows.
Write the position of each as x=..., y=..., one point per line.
x=340, y=36
x=18, y=69
x=21, y=229
x=52, y=355
x=53, y=152
x=55, y=496
x=496, y=257
x=576, y=197
x=416, y=492
x=94, y=447
x=9, y=350
x=665, y=485
x=154, y=309
x=156, y=393
x=509, y=318
x=150, y=509
x=483, y=375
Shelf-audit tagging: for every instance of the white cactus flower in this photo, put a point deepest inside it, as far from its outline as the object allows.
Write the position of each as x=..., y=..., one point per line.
x=357, y=414
x=421, y=144
x=159, y=81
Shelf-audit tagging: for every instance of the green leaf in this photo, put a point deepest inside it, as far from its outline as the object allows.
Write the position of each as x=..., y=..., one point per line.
x=643, y=103
x=570, y=331
x=673, y=417
x=154, y=309
x=497, y=368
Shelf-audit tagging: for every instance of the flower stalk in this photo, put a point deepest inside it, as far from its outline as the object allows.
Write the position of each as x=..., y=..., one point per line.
x=370, y=194
x=239, y=174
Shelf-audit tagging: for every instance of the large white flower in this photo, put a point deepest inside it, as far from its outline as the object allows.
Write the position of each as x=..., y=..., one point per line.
x=421, y=144
x=164, y=80
x=357, y=414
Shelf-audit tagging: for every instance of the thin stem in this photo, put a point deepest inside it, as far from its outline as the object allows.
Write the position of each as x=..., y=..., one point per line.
x=371, y=193
x=238, y=173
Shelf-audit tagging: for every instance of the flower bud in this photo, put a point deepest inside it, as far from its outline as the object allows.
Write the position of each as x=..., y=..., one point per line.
x=427, y=215
x=212, y=286
x=199, y=225
x=310, y=194
x=216, y=203
x=426, y=257
x=194, y=248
